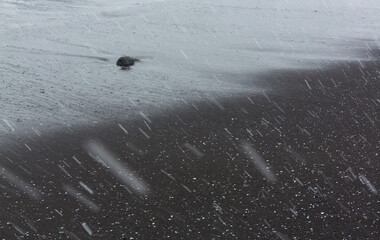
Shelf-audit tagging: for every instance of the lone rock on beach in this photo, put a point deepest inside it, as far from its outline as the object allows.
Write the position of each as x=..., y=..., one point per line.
x=126, y=62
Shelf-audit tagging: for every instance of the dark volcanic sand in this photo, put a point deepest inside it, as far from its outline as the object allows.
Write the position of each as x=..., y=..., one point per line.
x=321, y=142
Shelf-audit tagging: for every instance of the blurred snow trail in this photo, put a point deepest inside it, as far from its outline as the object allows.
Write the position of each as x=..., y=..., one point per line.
x=258, y=161
x=100, y=153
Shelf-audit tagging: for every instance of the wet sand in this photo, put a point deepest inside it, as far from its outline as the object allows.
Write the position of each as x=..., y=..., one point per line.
x=298, y=162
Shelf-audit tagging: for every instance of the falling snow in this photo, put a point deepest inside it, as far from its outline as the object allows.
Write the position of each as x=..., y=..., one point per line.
x=242, y=120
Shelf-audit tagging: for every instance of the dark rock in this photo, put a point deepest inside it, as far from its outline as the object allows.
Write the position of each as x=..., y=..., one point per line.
x=126, y=62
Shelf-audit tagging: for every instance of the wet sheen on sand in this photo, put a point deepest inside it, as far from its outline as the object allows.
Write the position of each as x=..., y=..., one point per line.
x=299, y=162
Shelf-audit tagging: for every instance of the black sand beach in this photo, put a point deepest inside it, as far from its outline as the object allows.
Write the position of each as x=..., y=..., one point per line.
x=299, y=162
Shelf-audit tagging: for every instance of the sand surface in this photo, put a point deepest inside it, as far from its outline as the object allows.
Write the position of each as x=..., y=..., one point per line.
x=57, y=58
x=300, y=162
x=243, y=120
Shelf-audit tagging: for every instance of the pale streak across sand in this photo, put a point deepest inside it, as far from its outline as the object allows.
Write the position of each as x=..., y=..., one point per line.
x=258, y=161
x=104, y=156
x=20, y=184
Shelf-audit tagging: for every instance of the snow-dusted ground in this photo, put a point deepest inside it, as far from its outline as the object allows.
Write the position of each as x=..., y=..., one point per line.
x=57, y=58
